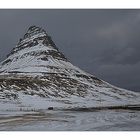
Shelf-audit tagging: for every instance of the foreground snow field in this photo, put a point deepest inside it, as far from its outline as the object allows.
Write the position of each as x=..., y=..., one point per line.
x=103, y=120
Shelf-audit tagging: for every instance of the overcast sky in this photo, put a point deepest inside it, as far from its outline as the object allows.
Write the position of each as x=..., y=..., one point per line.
x=105, y=43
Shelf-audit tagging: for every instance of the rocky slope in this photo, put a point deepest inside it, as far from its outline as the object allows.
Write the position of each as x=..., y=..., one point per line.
x=36, y=75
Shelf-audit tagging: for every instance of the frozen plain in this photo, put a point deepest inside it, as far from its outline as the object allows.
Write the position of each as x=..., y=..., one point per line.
x=53, y=120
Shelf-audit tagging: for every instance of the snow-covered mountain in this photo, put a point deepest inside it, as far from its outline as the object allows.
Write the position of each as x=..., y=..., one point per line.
x=36, y=75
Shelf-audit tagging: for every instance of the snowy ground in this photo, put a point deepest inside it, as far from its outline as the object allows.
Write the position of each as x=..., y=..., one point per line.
x=30, y=113
x=50, y=120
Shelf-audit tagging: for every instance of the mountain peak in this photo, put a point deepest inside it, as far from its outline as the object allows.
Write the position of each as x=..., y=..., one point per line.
x=33, y=33
x=33, y=37
x=35, y=50
x=34, y=30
